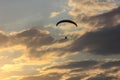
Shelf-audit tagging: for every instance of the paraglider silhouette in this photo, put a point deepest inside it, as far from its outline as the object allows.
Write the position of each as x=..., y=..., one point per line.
x=65, y=37
x=66, y=21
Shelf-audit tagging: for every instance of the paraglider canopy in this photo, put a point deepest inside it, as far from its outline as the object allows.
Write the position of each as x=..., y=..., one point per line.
x=65, y=20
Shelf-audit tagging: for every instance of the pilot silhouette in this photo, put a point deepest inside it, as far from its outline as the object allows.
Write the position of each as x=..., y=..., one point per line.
x=65, y=37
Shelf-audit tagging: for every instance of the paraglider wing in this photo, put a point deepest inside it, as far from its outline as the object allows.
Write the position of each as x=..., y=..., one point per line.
x=69, y=21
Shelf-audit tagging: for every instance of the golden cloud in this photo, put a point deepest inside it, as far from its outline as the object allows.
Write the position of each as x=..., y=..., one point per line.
x=83, y=70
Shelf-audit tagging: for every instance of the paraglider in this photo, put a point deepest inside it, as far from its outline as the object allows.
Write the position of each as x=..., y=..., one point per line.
x=69, y=21
x=66, y=21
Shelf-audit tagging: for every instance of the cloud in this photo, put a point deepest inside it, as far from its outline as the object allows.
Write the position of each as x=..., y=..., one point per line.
x=92, y=72
x=103, y=38
x=75, y=78
x=8, y=54
x=36, y=44
x=88, y=7
x=33, y=38
x=54, y=14
x=4, y=39
x=109, y=19
x=73, y=65
x=103, y=77
x=93, y=14
x=110, y=64
x=21, y=69
x=49, y=76
x=104, y=42
x=39, y=45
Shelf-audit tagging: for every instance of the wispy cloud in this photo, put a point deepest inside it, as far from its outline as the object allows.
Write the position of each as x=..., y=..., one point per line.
x=84, y=70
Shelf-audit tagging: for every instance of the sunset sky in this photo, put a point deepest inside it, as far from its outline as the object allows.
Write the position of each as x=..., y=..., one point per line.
x=33, y=48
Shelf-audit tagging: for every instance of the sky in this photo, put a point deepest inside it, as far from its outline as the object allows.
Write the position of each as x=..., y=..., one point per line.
x=33, y=48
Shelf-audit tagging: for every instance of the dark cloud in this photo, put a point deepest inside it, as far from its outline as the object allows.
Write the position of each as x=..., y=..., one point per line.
x=73, y=65
x=30, y=38
x=4, y=39
x=104, y=41
x=109, y=19
x=110, y=64
x=50, y=76
x=38, y=43
x=76, y=78
x=103, y=77
x=33, y=38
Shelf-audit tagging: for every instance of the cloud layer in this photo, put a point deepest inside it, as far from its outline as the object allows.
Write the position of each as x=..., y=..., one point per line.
x=82, y=70
x=103, y=37
x=103, y=42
